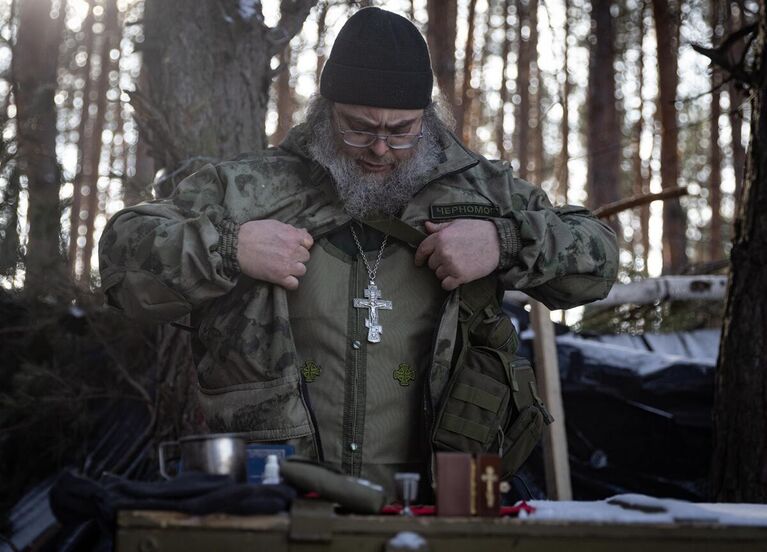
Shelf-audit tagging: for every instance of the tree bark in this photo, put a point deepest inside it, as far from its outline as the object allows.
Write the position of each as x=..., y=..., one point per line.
x=734, y=22
x=208, y=68
x=9, y=232
x=93, y=154
x=536, y=122
x=478, y=96
x=463, y=113
x=522, y=113
x=319, y=48
x=640, y=185
x=563, y=173
x=74, y=214
x=137, y=187
x=667, y=21
x=715, y=249
x=440, y=34
x=500, y=132
x=34, y=66
x=739, y=467
x=286, y=102
x=604, y=135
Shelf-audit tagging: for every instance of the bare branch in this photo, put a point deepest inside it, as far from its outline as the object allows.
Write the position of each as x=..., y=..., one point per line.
x=293, y=15
x=721, y=55
x=618, y=206
x=277, y=70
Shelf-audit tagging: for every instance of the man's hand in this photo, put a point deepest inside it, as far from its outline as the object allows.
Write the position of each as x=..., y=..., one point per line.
x=272, y=251
x=460, y=251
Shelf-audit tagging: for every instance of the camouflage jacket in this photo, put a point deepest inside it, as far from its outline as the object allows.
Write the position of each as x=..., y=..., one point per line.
x=163, y=259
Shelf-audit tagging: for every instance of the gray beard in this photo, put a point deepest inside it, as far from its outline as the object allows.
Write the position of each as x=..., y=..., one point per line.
x=361, y=192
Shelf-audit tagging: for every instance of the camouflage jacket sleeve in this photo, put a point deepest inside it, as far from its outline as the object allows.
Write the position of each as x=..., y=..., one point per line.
x=161, y=259
x=561, y=256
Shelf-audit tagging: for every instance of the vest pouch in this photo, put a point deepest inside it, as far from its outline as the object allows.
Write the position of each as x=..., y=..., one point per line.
x=492, y=405
x=478, y=401
x=527, y=418
x=495, y=330
x=520, y=439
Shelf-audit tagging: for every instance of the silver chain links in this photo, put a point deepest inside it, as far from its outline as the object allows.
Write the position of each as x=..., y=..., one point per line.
x=371, y=273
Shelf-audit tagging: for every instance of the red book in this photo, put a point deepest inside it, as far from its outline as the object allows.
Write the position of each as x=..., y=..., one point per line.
x=455, y=484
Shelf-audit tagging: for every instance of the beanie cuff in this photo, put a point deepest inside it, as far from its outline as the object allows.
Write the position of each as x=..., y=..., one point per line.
x=375, y=87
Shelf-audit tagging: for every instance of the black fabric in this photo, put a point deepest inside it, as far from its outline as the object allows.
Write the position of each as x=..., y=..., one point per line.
x=370, y=239
x=379, y=59
x=75, y=498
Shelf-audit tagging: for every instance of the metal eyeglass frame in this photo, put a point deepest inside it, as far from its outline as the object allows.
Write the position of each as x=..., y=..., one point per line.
x=384, y=137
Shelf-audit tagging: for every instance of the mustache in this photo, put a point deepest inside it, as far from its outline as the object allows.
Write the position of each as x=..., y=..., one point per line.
x=387, y=159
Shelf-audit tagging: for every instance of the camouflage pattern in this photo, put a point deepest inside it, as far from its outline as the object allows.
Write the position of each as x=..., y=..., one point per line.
x=159, y=260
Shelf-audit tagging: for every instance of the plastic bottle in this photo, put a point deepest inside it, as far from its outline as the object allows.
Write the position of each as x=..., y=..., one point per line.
x=271, y=474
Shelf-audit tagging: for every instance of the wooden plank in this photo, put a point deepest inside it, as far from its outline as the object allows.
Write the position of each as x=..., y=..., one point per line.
x=556, y=463
x=704, y=287
x=159, y=531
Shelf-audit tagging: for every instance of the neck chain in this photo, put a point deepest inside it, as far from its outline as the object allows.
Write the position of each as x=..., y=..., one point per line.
x=371, y=272
x=372, y=300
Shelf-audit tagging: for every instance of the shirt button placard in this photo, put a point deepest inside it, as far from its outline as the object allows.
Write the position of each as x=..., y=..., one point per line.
x=356, y=344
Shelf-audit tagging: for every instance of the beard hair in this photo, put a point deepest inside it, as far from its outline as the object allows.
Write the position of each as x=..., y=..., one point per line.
x=364, y=193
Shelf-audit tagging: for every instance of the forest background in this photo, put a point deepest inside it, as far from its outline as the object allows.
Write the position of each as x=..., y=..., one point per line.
x=105, y=103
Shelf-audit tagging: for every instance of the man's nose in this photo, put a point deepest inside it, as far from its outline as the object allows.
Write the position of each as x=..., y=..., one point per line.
x=379, y=147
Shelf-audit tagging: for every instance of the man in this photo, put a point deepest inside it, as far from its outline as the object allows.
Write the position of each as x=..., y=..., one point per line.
x=320, y=325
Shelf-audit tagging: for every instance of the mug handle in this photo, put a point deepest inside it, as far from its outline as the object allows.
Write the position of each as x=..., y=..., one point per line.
x=163, y=457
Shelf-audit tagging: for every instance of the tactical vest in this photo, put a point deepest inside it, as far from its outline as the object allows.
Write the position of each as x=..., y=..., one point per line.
x=490, y=402
x=366, y=397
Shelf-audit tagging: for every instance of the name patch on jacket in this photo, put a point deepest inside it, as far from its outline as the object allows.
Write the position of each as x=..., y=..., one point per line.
x=464, y=210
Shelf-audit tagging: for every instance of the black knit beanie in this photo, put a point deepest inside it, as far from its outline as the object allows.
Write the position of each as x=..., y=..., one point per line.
x=379, y=59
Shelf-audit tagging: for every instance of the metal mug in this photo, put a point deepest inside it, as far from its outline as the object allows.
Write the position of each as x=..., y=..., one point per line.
x=215, y=453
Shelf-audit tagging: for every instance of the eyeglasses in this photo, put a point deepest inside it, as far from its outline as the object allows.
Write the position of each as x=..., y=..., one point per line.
x=362, y=139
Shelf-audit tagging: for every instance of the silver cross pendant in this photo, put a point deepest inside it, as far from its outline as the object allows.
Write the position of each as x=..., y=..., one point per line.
x=373, y=302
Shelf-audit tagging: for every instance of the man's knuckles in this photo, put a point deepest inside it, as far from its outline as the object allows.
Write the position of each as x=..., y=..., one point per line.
x=299, y=269
x=289, y=282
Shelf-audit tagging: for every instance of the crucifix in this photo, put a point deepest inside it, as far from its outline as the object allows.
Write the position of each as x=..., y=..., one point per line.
x=490, y=479
x=373, y=303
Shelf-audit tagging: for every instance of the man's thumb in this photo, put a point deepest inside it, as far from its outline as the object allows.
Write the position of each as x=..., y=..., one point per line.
x=433, y=228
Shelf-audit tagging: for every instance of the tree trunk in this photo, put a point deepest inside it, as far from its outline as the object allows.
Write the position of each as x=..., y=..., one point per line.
x=536, y=122
x=463, y=113
x=715, y=249
x=522, y=113
x=137, y=187
x=604, y=135
x=739, y=470
x=319, y=48
x=109, y=38
x=563, y=173
x=500, y=132
x=35, y=62
x=667, y=21
x=9, y=232
x=82, y=142
x=640, y=186
x=286, y=102
x=208, y=68
x=734, y=22
x=478, y=95
x=440, y=34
